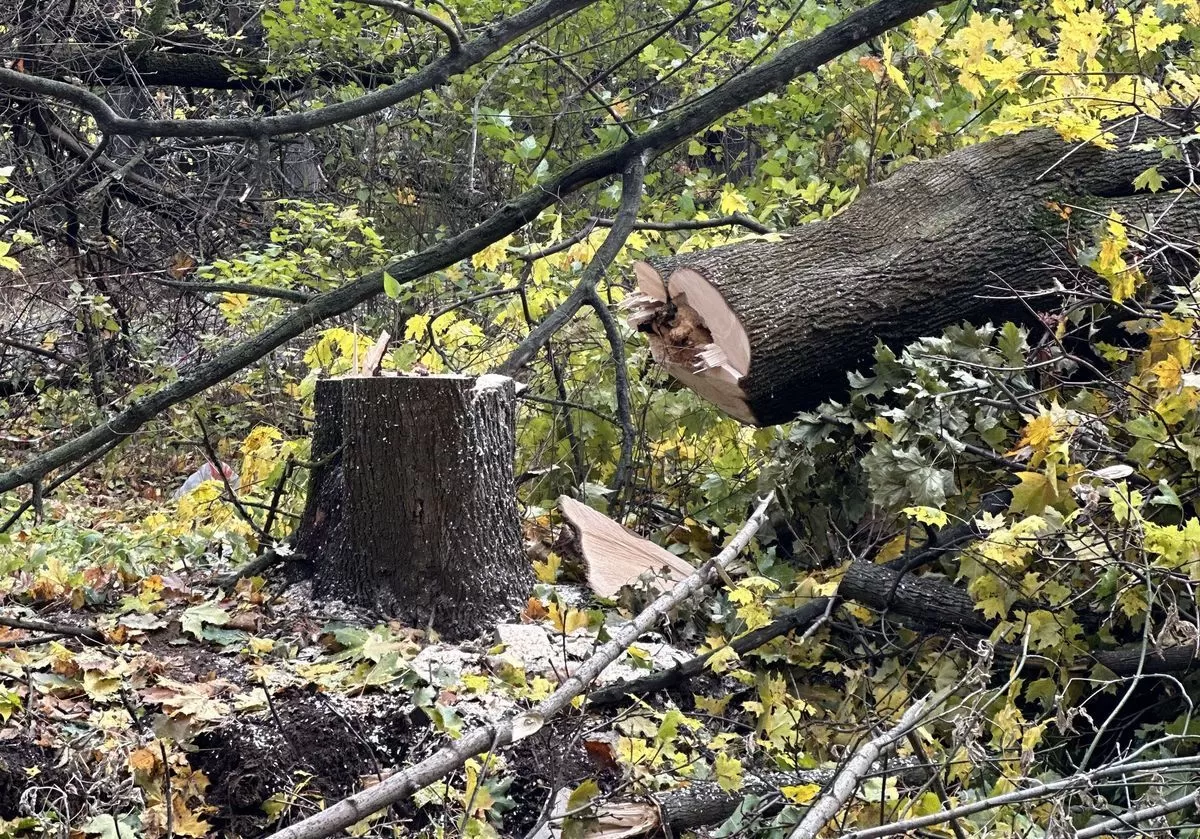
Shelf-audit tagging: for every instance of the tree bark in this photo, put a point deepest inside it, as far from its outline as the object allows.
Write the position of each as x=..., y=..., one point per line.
x=769, y=327
x=938, y=605
x=412, y=507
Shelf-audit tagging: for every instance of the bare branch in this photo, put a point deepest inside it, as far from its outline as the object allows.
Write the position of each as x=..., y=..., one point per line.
x=236, y=288
x=436, y=73
x=737, y=219
x=433, y=20
x=859, y=766
x=1082, y=780
x=631, y=199
x=1132, y=817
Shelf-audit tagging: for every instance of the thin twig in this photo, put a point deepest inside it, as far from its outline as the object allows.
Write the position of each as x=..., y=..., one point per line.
x=211, y=452
x=624, y=411
x=55, y=628
x=235, y=288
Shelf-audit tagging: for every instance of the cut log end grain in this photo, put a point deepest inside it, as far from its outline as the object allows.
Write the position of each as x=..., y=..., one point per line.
x=694, y=334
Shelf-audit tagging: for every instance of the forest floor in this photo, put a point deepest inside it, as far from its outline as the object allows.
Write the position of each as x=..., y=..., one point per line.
x=206, y=712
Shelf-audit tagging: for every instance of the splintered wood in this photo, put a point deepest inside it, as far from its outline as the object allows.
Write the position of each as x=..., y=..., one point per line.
x=694, y=334
x=614, y=556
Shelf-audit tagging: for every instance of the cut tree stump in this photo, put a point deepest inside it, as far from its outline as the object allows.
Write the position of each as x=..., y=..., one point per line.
x=411, y=509
x=769, y=327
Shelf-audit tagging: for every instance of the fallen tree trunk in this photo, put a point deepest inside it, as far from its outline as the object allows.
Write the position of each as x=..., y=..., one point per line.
x=769, y=327
x=940, y=606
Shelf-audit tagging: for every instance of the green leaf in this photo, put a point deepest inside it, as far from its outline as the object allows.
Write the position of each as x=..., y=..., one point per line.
x=391, y=286
x=669, y=727
x=1150, y=179
x=581, y=797
x=192, y=620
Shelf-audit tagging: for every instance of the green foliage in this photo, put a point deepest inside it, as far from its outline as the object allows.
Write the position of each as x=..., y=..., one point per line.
x=1088, y=418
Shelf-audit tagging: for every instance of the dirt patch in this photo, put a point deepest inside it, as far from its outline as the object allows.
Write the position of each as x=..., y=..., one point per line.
x=312, y=747
x=30, y=783
x=552, y=759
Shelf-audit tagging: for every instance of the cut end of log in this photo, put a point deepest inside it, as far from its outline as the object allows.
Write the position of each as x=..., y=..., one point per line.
x=694, y=334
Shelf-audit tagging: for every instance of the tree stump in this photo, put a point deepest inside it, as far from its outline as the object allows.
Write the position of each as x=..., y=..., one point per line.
x=411, y=509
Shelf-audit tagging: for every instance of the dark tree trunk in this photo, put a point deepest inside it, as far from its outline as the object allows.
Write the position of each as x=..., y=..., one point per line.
x=412, y=509
x=939, y=606
x=769, y=327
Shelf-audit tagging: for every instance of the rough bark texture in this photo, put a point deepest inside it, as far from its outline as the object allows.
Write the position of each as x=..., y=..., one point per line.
x=412, y=509
x=938, y=605
x=914, y=253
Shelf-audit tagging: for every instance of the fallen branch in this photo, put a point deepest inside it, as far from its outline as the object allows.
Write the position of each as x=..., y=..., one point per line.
x=257, y=566
x=704, y=803
x=54, y=628
x=620, y=692
x=1130, y=818
x=939, y=605
x=859, y=766
x=945, y=542
x=451, y=757
x=1083, y=780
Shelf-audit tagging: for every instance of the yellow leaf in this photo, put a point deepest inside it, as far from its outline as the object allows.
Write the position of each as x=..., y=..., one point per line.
x=540, y=272
x=801, y=794
x=547, y=571
x=715, y=706
x=187, y=822
x=1034, y=493
x=927, y=31
x=723, y=659
x=731, y=202
x=491, y=256
x=728, y=770
x=927, y=515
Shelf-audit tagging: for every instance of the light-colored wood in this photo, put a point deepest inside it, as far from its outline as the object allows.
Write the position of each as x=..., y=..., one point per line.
x=374, y=357
x=703, y=346
x=615, y=557
x=687, y=286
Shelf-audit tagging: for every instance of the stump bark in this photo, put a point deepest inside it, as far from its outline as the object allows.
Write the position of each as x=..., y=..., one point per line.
x=411, y=508
x=769, y=327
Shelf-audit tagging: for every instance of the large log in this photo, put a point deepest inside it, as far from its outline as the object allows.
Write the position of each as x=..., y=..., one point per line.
x=412, y=506
x=769, y=327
